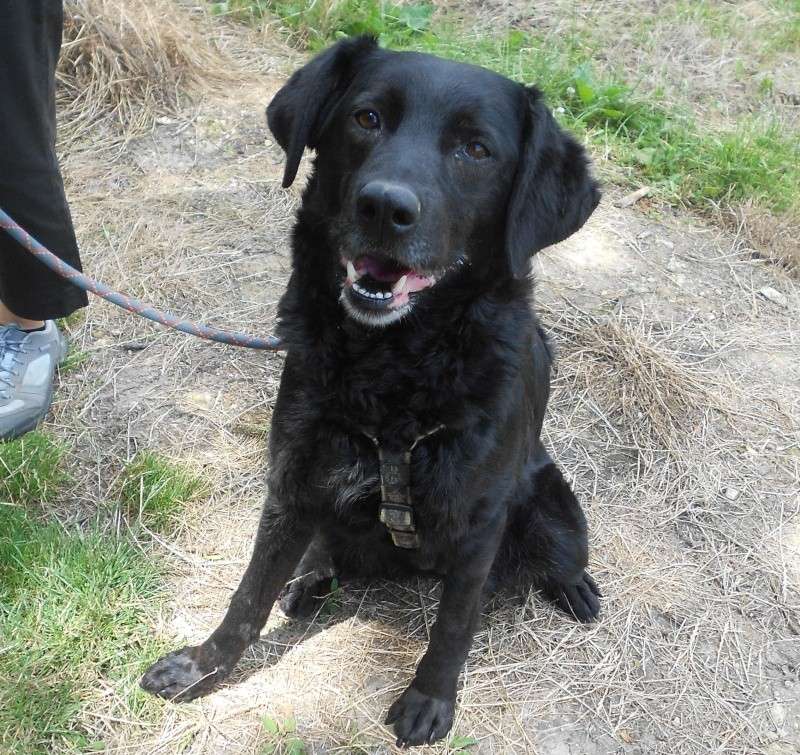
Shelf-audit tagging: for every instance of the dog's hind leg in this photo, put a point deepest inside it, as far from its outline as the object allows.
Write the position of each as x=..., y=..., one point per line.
x=311, y=582
x=193, y=671
x=548, y=538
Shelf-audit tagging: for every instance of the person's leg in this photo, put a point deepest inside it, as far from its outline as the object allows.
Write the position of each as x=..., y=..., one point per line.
x=31, y=192
x=7, y=317
x=31, y=189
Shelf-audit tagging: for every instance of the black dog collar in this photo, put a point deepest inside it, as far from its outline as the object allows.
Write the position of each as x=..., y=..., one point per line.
x=397, y=508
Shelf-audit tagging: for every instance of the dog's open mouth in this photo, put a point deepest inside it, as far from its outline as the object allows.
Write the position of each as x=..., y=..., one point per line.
x=383, y=284
x=380, y=291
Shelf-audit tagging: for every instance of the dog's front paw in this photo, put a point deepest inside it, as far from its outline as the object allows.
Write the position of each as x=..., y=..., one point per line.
x=183, y=675
x=419, y=718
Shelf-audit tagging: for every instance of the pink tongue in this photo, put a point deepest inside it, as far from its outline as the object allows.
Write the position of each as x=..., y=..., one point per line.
x=379, y=270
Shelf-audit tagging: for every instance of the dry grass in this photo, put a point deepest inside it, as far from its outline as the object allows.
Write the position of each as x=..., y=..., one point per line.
x=646, y=417
x=129, y=61
x=679, y=434
x=652, y=392
x=774, y=238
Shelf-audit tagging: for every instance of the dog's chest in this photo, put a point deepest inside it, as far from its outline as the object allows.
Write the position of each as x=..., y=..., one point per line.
x=387, y=508
x=394, y=483
x=354, y=483
x=386, y=393
x=367, y=467
x=397, y=388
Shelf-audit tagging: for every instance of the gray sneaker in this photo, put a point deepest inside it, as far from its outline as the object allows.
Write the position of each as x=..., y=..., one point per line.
x=27, y=365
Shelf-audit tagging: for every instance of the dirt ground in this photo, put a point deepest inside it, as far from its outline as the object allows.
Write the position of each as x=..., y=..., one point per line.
x=675, y=412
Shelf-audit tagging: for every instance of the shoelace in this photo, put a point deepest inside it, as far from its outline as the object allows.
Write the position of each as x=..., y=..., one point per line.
x=9, y=359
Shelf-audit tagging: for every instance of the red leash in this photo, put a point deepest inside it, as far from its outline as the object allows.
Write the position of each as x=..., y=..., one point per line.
x=61, y=268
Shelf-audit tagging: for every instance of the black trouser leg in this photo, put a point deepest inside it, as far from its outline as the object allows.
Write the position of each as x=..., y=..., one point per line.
x=31, y=188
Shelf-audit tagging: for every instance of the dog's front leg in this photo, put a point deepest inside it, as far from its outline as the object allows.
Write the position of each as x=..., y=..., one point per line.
x=424, y=712
x=193, y=671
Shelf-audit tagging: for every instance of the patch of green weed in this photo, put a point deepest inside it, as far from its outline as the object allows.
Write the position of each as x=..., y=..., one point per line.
x=155, y=491
x=332, y=602
x=775, y=28
x=718, y=19
x=30, y=469
x=73, y=320
x=786, y=35
x=317, y=22
x=75, y=358
x=459, y=745
x=282, y=737
x=73, y=610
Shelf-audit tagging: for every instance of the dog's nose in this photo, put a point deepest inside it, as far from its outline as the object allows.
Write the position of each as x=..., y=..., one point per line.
x=387, y=208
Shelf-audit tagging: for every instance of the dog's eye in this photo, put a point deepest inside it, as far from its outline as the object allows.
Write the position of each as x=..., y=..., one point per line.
x=368, y=119
x=476, y=150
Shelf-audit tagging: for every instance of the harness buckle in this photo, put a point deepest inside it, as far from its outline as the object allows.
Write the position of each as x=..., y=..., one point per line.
x=397, y=511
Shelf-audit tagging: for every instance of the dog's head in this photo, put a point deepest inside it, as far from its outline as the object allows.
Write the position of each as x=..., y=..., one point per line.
x=425, y=166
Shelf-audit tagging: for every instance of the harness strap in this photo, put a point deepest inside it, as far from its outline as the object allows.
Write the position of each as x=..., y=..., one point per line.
x=397, y=507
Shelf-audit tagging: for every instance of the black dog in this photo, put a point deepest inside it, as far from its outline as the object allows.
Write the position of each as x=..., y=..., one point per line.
x=406, y=433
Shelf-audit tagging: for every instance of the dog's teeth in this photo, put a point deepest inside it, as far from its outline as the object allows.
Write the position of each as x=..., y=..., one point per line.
x=377, y=295
x=351, y=272
x=398, y=287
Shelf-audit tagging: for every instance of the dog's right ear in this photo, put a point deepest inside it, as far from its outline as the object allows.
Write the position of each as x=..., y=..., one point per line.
x=300, y=107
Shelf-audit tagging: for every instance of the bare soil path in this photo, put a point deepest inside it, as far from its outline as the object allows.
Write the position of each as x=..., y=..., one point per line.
x=676, y=412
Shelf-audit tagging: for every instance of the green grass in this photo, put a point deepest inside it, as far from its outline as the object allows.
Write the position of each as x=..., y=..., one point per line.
x=74, y=360
x=719, y=20
x=73, y=320
x=73, y=613
x=653, y=141
x=30, y=469
x=74, y=606
x=155, y=491
x=282, y=737
x=317, y=22
x=775, y=30
x=787, y=35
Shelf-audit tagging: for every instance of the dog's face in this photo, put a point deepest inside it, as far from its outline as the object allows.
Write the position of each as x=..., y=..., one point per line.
x=425, y=166
x=417, y=162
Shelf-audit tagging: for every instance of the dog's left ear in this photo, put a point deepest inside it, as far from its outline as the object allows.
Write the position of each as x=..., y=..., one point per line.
x=302, y=104
x=553, y=193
